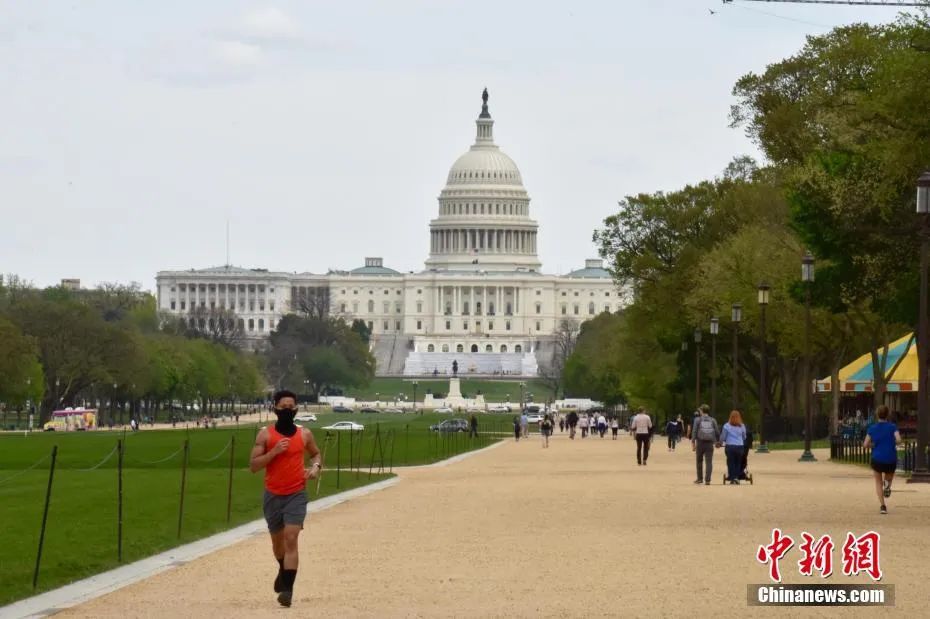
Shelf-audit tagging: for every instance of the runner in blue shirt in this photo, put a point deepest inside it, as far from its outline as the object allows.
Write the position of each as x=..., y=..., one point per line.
x=883, y=438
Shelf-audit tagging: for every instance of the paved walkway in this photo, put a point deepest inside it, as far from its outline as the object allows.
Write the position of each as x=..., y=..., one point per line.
x=576, y=530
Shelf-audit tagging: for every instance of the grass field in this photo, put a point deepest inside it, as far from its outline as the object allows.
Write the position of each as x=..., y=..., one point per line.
x=388, y=389
x=81, y=537
x=818, y=444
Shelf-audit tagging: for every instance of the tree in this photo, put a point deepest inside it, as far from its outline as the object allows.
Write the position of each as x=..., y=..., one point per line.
x=21, y=378
x=566, y=337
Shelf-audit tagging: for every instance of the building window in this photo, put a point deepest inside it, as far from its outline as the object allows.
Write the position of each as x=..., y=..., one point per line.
x=172, y=305
x=251, y=324
x=371, y=307
x=509, y=309
x=271, y=324
x=459, y=348
x=172, y=289
x=466, y=309
x=591, y=308
x=503, y=347
x=576, y=309
x=371, y=326
x=355, y=292
x=564, y=293
x=251, y=306
x=564, y=309
x=465, y=325
x=183, y=305
x=507, y=325
x=474, y=348
x=430, y=348
x=397, y=307
x=419, y=325
x=538, y=292
x=261, y=324
x=343, y=292
x=261, y=307
x=576, y=293
x=445, y=348
x=271, y=305
x=387, y=307
x=518, y=348
x=355, y=307
x=397, y=325
x=448, y=325
x=592, y=294
x=607, y=308
x=398, y=293
x=342, y=308
x=419, y=291
x=419, y=307
x=539, y=308
x=538, y=326
x=488, y=348
x=241, y=324
x=385, y=325
x=606, y=294
x=387, y=291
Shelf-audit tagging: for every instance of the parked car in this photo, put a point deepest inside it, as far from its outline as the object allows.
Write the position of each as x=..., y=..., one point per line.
x=475, y=409
x=339, y=408
x=534, y=417
x=444, y=409
x=450, y=425
x=368, y=409
x=498, y=408
x=395, y=411
x=345, y=425
x=305, y=417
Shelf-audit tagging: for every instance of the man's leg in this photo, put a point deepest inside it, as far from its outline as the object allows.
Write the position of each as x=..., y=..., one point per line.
x=708, y=460
x=646, y=440
x=639, y=449
x=277, y=547
x=699, y=456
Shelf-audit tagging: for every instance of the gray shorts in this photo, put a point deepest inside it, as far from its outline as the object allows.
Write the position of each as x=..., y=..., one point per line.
x=282, y=509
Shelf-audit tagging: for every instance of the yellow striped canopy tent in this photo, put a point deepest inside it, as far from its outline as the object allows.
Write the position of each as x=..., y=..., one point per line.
x=858, y=375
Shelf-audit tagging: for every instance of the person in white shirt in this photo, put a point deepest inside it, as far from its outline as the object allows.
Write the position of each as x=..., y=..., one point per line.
x=614, y=426
x=642, y=429
x=601, y=424
x=583, y=424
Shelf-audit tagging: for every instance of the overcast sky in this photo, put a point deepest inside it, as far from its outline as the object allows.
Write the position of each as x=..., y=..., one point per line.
x=323, y=131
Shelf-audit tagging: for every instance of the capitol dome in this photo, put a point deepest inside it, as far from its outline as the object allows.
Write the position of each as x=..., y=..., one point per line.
x=484, y=221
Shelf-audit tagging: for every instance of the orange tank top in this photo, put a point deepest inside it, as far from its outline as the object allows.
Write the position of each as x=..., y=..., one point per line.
x=285, y=473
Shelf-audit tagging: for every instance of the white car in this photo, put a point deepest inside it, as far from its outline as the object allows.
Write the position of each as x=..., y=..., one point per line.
x=345, y=425
x=499, y=408
x=534, y=417
x=305, y=417
x=444, y=409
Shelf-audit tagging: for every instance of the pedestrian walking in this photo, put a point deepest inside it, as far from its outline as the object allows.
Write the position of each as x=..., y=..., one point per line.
x=733, y=437
x=473, y=426
x=280, y=450
x=883, y=437
x=545, y=427
x=572, y=422
x=601, y=424
x=561, y=424
x=517, y=428
x=614, y=427
x=525, y=424
x=671, y=433
x=705, y=435
x=642, y=429
x=583, y=424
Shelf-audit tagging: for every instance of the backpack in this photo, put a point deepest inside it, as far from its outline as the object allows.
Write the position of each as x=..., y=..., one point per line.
x=705, y=429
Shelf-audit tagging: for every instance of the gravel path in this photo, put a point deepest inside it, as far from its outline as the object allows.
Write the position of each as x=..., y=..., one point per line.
x=576, y=530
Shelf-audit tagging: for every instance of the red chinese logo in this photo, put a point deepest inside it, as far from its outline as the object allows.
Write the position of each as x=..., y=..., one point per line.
x=818, y=555
x=860, y=554
x=773, y=553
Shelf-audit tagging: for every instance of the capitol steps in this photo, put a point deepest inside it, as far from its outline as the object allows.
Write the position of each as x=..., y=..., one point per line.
x=485, y=364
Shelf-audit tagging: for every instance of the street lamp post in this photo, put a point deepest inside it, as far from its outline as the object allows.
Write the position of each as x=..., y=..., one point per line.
x=113, y=405
x=522, y=404
x=807, y=276
x=697, y=368
x=921, y=472
x=714, y=330
x=415, y=383
x=736, y=315
x=763, y=390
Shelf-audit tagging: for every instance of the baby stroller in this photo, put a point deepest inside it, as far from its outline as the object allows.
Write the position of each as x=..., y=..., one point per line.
x=745, y=475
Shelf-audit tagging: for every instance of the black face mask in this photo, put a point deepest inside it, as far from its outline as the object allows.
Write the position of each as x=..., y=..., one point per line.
x=285, y=424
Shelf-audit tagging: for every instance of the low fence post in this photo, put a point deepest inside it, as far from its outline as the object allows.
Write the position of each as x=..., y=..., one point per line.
x=232, y=457
x=351, y=449
x=119, y=501
x=48, y=498
x=183, y=484
x=338, y=457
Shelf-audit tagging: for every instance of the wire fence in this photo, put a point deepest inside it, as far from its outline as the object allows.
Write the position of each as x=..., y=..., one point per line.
x=358, y=454
x=852, y=450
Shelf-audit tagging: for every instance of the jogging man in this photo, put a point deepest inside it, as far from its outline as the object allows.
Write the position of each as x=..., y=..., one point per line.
x=642, y=428
x=280, y=450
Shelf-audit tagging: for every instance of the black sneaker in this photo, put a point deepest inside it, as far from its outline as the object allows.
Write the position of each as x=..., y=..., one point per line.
x=887, y=489
x=277, y=582
x=284, y=598
x=706, y=483
x=699, y=481
x=883, y=510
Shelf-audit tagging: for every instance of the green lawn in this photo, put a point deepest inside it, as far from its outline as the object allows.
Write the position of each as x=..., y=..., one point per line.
x=493, y=390
x=81, y=537
x=818, y=444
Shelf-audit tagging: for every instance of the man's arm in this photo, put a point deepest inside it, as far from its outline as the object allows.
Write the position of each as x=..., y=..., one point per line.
x=259, y=459
x=316, y=460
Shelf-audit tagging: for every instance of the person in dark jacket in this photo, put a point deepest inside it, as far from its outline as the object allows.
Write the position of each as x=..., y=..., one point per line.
x=672, y=432
x=473, y=427
x=517, y=430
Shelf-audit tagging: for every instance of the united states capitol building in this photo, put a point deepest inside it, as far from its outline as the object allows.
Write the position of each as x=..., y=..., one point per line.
x=482, y=299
